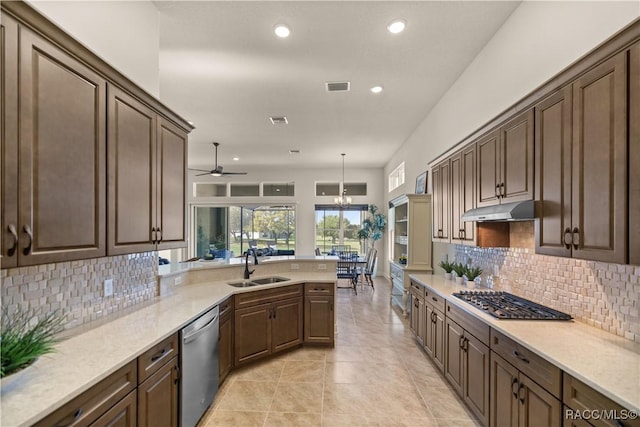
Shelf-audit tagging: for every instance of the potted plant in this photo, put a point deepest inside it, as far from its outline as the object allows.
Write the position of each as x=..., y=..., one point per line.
x=447, y=267
x=26, y=335
x=374, y=226
x=459, y=269
x=471, y=273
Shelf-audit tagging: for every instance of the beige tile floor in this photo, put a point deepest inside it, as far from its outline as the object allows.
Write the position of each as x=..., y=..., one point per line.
x=376, y=375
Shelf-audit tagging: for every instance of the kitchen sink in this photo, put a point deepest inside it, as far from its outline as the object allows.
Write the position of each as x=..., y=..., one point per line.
x=269, y=280
x=260, y=281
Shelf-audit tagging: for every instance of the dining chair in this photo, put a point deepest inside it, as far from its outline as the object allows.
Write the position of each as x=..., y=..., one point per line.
x=370, y=267
x=346, y=269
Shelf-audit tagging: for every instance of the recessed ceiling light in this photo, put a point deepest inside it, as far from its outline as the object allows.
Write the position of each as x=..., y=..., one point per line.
x=235, y=159
x=376, y=89
x=282, y=31
x=397, y=26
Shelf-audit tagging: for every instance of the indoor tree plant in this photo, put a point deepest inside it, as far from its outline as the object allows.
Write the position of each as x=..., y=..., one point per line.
x=26, y=335
x=447, y=267
x=373, y=227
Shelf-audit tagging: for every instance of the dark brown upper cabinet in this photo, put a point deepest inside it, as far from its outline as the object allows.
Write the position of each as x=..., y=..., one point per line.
x=441, y=175
x=147, y=163
x=634, y=154
x=505, y=162
x=54, y=152
x=463, y=194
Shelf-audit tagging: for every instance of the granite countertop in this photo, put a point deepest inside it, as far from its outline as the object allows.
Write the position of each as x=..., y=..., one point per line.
x=606, y=362
x=85, y=359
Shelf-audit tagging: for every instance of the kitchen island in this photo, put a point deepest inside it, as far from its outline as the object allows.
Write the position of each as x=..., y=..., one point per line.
x=84, y=359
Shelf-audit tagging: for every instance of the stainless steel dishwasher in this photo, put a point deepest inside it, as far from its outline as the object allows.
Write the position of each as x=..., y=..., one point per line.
x=199, y=352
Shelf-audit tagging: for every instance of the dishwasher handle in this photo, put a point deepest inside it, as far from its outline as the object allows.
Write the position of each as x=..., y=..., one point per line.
x=193, y=335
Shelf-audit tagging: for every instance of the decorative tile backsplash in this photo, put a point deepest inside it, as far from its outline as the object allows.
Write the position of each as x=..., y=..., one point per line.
x=77, y=287
x=602, y=295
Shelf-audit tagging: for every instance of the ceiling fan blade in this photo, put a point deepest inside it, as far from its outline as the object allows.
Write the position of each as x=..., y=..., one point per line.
x=200, y=170
x=203, y=174
x=234, y=173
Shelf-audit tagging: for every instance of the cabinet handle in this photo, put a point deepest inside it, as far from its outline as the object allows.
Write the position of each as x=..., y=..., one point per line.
x=521, y=388
x=275, y=312
x=27, y=230
x=465, y=347
x=497, y=191
x=461, y=342
x=520, y=356
x=159, y=231
x=153, y=235
x=71, y=418
x=177, y=374
x=575, y=238
x=435, y=299
x=514, y=390
x=14, y=233
x=502, y=193
x=158, y=355
x=464, y=234
x=567, y=232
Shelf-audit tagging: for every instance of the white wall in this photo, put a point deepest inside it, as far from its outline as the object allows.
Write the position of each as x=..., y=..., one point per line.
x=124, y=34
x=305, y=198
x=538, y=40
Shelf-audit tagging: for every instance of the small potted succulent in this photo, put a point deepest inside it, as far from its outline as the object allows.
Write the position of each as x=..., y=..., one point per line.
x=459, y=269
x=447, y=267
x=471, y=273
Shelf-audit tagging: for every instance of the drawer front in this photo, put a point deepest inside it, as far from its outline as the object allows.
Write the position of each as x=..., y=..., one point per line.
x=430, y=297
x=263, y=296
x=580, y=397
x=474, y=326
x=226, y=307
x=416, y=289
x=90, y=405
x=544, y=373
x=320, y=289
x=396, y=272
x=155, y=358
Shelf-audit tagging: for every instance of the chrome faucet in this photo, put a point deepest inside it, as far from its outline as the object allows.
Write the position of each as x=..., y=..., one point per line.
x=248, y=273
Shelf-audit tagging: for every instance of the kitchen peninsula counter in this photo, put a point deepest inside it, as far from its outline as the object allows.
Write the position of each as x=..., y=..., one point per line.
x=606, y=362
x=84, y=359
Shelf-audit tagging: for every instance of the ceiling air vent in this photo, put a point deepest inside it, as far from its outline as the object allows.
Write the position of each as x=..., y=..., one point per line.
x=338, y=86
x=275, y=120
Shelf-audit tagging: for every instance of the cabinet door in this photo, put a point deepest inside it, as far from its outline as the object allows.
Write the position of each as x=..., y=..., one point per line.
x=132, y=183
x=516, y=159
x=429, y=330
x=122, y=414
x=456, y=207
x=286, y=324
x=488, y=170
x=62, y=165
x=9, y=137
x=553, y=174
x=441, y=201
x=600, y=162
x=414, y=314
x=422, y=321
x=503, y=393
x=172, y=161
x=318, y=319
x=158, y=398
x=252, y=335
x=225, y=347
x=438, y=338
x=467, y=192
x=476, y=377
x=453, y=362
x=634, y=155
x=537, y=407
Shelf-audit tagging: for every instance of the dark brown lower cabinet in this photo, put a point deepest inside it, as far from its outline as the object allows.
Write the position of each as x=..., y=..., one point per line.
x=434, y=335
x=516, y=400
x=265, y=329
x=225, y=340
x=122, y=414
x=467, y=368
x=158, y=397
x=318, y=320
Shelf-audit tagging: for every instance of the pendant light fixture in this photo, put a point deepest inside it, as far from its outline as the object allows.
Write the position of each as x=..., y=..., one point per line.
x=342, y=201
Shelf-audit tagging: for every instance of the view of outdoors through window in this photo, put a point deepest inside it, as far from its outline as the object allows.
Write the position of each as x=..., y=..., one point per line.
x=338, y=228
x=229, y=231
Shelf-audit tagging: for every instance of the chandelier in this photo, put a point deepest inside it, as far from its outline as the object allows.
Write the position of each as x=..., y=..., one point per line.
x=342, y=200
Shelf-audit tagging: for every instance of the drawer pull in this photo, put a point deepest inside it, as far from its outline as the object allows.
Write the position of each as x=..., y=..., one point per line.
x=435, y=299
x=71, y=418
x=519, y=356
x=158, y=355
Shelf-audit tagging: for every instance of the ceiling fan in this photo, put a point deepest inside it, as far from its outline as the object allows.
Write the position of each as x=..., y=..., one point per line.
x=217, y=169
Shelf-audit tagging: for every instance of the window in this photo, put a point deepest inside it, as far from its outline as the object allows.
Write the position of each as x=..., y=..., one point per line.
x=356, y=188
x=229, y=231
x=278, y=189
x=245, y=190
x=208, y=189
x=339, y=227
x=327, y=188
x=396, y=177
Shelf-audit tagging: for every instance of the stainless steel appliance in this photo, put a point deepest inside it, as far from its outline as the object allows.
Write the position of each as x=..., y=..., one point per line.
x=199, y=353
x=504, y=305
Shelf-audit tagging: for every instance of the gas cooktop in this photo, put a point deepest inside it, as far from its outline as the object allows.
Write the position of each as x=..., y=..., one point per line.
x=504, y=305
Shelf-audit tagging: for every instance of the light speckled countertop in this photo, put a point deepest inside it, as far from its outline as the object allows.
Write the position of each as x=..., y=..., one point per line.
x=607, y=363
x=83, y=360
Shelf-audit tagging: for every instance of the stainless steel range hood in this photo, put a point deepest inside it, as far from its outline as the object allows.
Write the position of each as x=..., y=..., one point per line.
x=516, y=211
